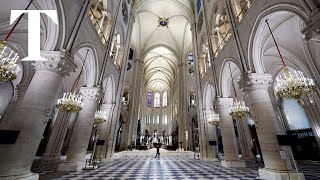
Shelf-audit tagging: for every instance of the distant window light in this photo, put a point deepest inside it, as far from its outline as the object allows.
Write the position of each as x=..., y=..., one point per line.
x=149, y=99
x=157, y=100
x=156, y=119
x=190, y=59
x=165, y=100
x=165, y=120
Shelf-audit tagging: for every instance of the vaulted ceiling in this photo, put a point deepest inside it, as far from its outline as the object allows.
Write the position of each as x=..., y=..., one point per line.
x=162, y=47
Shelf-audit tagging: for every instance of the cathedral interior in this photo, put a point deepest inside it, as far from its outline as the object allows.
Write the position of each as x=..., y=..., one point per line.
x=160, y=89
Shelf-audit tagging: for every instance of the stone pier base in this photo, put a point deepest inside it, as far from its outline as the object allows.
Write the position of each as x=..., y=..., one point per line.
x=271, y=174
x=233, y=164
x=29, y=176
x=71, y=166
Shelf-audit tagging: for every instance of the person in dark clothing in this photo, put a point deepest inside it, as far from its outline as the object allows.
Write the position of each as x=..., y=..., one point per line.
x=158, y=152
x=254, y=152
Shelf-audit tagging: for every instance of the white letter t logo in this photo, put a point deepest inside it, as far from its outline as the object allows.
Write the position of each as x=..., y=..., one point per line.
x=34, y=30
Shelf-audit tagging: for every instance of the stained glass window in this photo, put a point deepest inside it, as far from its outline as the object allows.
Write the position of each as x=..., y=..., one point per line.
x=165, y=120
x=157, y=100
x=198, y=5
x=165, y=100
x=156, y=119
x=149, y=99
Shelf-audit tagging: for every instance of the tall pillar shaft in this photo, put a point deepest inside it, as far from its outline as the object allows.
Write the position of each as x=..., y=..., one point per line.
x=230, y=148
x=103, y=132
x=57, y=137
x=29, y=117
x=82, y=131
x=256, y=86
x=21, y=91
x=245, y=137
x=212, y=151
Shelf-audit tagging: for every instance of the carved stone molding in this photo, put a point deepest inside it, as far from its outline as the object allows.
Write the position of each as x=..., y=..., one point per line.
x=92, y=93
x=107, y=106
x=223, y=103
x=254, y=81
x=21, y=89
x=58, y=61
x=312, y=30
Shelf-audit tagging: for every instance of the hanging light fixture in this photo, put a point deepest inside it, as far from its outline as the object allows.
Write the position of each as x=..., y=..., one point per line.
x=214, y=119
x=72, y=102
x=238, y=108
x=8, y=63
x=100, y=117
x=292, y=86
x=8, y=58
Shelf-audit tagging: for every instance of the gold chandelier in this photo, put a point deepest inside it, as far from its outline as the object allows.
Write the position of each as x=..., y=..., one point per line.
x=214, y=119
x=238, y=108
x=8, y=63
x=72, y=102
x=100, y=117
x=292, y=86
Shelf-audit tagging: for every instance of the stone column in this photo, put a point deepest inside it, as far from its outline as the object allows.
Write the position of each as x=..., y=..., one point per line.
x=182, y=113
x=82, y=131
x=29, y=116
x=104, y=130
x=230, y=148
x=212, y=151
x=134, y=100
x=244, y=137
x=71, y=124
x=57, y=137
x=21, y=91
x=125, y=139
x=256, y=86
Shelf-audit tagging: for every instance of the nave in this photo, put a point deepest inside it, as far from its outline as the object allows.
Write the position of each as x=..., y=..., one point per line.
x=171, y=165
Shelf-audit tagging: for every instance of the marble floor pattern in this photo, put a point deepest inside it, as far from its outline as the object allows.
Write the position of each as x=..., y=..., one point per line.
x=148, y=167
x=145, y=166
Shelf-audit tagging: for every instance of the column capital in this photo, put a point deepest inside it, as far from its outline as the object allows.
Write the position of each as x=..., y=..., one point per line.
x=253, y=81
x=223, y=103
x=58, y=61
x=107, y=106
x=90, y=93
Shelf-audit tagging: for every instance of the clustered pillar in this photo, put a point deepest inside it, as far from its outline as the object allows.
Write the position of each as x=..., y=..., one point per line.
x=230, y=148
x=82, y=131
x=29, y=117
x=256, y=86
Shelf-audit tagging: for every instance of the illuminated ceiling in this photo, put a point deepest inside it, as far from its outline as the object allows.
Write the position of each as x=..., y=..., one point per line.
x=163, y=45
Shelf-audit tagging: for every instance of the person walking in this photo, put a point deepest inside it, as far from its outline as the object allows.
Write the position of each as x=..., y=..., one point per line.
x=158, y=150
x=254, y=152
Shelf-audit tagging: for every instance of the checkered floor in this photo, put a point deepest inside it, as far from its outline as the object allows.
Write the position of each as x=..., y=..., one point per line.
x=145, y=166
x=164, y=168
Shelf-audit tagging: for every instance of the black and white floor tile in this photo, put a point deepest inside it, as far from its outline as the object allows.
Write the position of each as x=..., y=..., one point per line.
x=162, y=168
x=166, y=167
